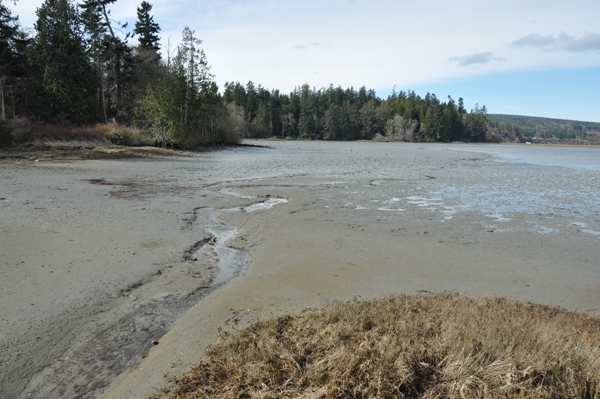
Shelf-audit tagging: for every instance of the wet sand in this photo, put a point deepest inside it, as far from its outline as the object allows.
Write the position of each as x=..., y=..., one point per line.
x=99, y=258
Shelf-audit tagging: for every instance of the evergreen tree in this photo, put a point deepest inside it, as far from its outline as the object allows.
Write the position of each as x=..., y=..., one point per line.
x=183, y=110
x=19, y=84
x=191, y=70
x=251, y=102
x=369, y=123
x=159, y=114
x=9, y=66
x=8, y=29
x=66, y=81
x=452, y=125
x=476, y=124
x=276, y=106
x=309, y=126
x=333, y=123
x=262, y=125
x=112, y=58
x=146, y=29
x=97, y=30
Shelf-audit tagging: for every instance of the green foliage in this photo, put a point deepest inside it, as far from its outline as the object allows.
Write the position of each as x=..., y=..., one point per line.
x=116, y=136
x=124, y=135
x=337, y=114
x=8, y=30
x=146, y=29
x=476, y=124
x=184, y=108
x=309, y=123
x=159, y=114
x=7, y=133
x=262, y=126
x=522, y=128
x=112, y=59
x=65, y=80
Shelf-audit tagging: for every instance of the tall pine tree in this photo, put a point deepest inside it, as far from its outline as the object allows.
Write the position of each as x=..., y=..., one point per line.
x=146, y=29
x=66, y=82
x=112, y=58
x=8, y=60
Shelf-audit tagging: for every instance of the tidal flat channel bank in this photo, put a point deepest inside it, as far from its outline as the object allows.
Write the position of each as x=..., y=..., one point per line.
x=111, y=273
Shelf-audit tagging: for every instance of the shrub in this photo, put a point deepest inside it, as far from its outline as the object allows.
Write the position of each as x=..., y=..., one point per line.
x=7, y=133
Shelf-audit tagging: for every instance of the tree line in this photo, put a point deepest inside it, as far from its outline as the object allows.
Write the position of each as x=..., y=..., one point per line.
x=523, y=128
x=334, y=113
x=81, y=67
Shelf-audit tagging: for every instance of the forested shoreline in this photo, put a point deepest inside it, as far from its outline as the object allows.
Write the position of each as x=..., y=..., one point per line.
x=335, y=113
x=84, y=72
x=521, y=128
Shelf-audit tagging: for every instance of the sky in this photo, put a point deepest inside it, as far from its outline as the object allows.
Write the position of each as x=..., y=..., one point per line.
x=523, y=57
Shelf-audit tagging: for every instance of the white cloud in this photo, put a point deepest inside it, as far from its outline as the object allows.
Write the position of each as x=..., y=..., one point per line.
x=473, y=59
x=589, y=42
x=377, y=43
x=535, y=40
x=562, y=41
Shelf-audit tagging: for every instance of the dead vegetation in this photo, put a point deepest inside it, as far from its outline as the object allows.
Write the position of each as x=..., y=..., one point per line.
x=24, y=132
x=426, y=346
x=32, y=141
x=43, y=142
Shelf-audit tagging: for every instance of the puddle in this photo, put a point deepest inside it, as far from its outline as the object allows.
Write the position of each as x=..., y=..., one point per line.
x=229, y=191
x=268, y=204
x=498, y=218
x=545, y=230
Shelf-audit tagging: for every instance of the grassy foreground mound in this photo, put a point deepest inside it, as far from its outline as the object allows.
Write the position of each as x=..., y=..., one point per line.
x=427, y=346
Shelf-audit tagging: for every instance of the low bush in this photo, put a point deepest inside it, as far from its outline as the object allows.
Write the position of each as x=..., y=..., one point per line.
x=7, y=133
x=129, y=136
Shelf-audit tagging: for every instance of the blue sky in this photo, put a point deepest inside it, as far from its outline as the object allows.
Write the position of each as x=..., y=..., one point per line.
x=532, y=57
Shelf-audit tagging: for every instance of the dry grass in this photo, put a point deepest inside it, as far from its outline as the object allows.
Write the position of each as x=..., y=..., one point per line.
x=99, y=134
x=429, y=346
x=21, y=139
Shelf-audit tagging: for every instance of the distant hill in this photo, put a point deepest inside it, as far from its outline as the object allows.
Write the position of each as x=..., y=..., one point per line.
x=526, y=128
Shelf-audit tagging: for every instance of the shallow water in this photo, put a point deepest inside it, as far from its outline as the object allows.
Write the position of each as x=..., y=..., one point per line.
x=583, y=157
x=232, y=261
x=498, y=181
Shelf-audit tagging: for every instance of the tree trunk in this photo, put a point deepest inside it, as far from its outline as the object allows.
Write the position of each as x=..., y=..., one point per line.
x=101, y=95
x=2, y=100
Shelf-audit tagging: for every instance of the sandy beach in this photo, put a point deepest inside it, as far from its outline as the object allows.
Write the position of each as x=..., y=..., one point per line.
x=111, y=275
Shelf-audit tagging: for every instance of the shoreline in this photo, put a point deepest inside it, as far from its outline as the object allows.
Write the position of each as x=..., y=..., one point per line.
x=307, y=252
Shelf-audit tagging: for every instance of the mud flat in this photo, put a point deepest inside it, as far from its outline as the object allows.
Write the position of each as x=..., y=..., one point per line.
x=112, y=271
x=99, y=259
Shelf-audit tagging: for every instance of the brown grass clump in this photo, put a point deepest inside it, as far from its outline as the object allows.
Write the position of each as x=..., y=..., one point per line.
x=428, y=346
